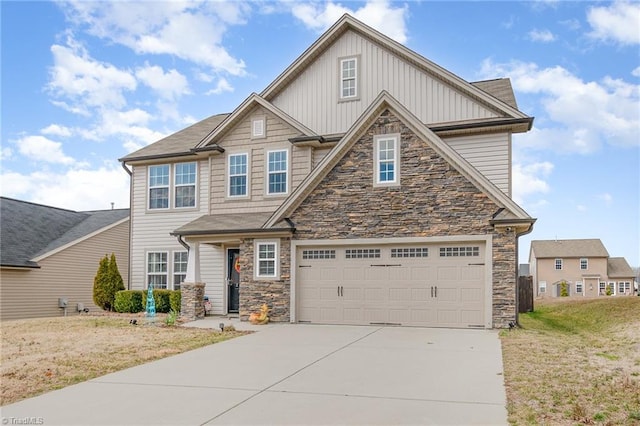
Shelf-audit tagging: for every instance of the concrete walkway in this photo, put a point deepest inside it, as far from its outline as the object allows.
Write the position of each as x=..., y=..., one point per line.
x=297, y=374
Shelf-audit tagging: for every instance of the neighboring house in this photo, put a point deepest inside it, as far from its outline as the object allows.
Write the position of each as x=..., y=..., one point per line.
x=582, y=267
x=49, y=253
x=364, y=185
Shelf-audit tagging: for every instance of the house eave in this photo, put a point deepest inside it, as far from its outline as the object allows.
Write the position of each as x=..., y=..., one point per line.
x=242, y=233
x=20, y=267
x=515, y=125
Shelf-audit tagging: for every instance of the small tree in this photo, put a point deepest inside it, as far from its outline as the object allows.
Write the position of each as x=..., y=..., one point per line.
x=107, y=283
x=564, y=292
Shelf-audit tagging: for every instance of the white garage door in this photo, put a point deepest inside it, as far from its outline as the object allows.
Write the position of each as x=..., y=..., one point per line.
x=436, y=285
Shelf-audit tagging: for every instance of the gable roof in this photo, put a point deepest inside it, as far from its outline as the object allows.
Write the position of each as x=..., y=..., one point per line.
x=617, y=267
x=511, y=211
x=29, y=232
x=241, y=112
x=179, y=143
x=568, y=248
x=348, y=23
x=499, y=88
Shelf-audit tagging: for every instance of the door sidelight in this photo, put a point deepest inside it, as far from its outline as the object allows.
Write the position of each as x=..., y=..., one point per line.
x=434, y=291
x=340, y=291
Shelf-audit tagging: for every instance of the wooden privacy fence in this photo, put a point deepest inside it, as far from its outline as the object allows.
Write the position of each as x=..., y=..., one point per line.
x=525, y=294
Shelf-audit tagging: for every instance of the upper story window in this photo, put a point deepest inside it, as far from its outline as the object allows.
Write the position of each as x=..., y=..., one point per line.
x=258, y=128
x=238, y=172
x=183, y=185
x=349, y=78
x=558, y=264
x=277, y=171
x=584, y=264
x=159, y=187
x=387, y=171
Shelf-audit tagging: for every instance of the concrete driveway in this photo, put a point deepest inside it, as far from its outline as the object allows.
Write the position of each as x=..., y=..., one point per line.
x=297, y=374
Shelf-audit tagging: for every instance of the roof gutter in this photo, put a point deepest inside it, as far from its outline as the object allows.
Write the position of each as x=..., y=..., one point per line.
x=467, y=126
x=233, y=232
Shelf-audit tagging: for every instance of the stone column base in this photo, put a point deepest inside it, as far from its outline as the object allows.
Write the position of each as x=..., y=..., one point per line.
x=192, y=301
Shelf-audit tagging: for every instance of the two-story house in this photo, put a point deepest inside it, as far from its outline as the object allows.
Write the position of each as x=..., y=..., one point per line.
x=365, y=184
x=578, y=268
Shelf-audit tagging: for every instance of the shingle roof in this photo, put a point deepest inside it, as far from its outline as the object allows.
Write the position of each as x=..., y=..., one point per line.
x=29, y=230
x=180, y=142
x=499, y=88
x=568, y=248
x=229, y=223
x=617, y=267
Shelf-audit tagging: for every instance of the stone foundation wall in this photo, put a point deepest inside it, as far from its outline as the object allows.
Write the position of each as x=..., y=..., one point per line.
x=504, y=278
x=192, y=301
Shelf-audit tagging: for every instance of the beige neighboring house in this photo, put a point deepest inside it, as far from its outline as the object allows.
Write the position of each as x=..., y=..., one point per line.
x=50, y=254
x=582, y=266
x=364, y=185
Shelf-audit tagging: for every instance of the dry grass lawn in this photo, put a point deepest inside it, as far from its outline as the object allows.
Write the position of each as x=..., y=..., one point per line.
x=39, y=355
x=575, y=362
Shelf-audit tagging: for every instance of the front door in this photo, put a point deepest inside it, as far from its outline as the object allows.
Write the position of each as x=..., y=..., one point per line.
x=233, y=280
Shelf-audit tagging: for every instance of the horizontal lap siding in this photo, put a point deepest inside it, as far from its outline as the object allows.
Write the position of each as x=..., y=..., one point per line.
x=489, y=153
x=238, y=140
x=313, y=100
x=69, y=273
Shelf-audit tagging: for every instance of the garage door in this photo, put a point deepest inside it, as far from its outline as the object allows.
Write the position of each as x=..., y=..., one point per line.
x=431, y=285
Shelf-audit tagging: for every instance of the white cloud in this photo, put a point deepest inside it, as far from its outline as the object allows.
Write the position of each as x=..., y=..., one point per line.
x=168, y=85
x=544, y=36
x=379, y=14
x=56, y=130
x=84, y=81
x=530, y=179
x=192, y=31
x=6, y=153
x=221, y=87
x=617, y=22
x=39, y=148
x=76, y=189
x=579, y=115
x=606, y=198
x=636, y=72
x=581, y=208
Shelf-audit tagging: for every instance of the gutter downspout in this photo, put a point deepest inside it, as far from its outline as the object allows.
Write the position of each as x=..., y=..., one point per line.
x=528, y=231
x=130, y=173
x=183, y=243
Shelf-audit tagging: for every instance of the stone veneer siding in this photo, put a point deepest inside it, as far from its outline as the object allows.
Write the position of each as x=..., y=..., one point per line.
x=274, y=292
x=192, y=301
x=434, y=200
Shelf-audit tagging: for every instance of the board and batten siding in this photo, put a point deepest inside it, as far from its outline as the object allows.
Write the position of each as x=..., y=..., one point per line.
x=34, y=293
x=151, y=232
x=490, y=154
x=312, y=97
x=238, y=140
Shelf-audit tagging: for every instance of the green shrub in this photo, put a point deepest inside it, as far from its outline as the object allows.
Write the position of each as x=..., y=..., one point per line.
x=171, y=318
x=129, y=301
x=564, y=292
x=107, y=283
x=175, y=300
x=161, y=297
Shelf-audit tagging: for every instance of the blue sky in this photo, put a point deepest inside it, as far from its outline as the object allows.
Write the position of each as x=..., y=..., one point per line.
x=86, y=82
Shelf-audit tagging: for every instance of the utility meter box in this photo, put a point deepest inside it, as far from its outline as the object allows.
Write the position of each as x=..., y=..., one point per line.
x=63, y=302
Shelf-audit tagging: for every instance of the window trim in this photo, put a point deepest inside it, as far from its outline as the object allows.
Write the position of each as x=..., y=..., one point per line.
x=247, y=175
x=258, y=119
x=173, y=268
x=356, y=78
x=268, y=172
x=558, y=262
x=542, y=287
x=171, y=193
x=579, y=287
x=257, y=260
x=148, y=273
x=377, y=139
x=584, y=262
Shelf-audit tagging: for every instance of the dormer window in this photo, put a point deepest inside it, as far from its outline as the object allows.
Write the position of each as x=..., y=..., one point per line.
x=258, y=129
x=349, y=78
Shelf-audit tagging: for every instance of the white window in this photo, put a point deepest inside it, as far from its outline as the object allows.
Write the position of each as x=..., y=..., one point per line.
x=558, y=264
x=611, y=288
x=179, y=268
x=238, y=166
x=624, y=287
x=602, y=288
x=277, y=171
x=542, y=287
x=159, y=187
x=584, y=264
x=157, y=271
x=387, y=171
x=348, y=78
x=184, y=185
x=266, y=259
x=258, y=129
x=579, y=287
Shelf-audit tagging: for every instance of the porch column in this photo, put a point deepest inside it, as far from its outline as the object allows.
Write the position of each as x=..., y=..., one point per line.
x=192, y=289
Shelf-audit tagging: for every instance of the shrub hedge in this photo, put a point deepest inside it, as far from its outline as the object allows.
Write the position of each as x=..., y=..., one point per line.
x=131, y=301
